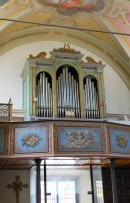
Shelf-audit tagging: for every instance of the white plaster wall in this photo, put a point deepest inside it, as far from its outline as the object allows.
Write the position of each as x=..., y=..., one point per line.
x=11, y=64
x=84, y=187
x=117, y=93
x=8, y=195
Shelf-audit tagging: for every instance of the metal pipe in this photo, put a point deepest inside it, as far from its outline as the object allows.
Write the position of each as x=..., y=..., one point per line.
x=59, y=96
x=88, y=96
x=70, y=92
x=96, y=104
x=38, y=96
x=62, y=95
x=92, y=96
x=43, y=88
x=57, y=84
x=64, y=89
x=77, y=94
x=85, y=99
x=90, y=92
x=67, y=88
x=40, y=101
x=46, y=98
x=94, y=101
x=41, y=95
x=73, y=99
x=50, y=93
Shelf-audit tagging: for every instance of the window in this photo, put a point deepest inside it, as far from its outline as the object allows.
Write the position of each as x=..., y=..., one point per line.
x=59, y=191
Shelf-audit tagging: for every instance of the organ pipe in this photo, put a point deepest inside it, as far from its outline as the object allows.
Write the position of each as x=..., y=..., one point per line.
x=44, y=96
x=67, y=93
x=91, y=98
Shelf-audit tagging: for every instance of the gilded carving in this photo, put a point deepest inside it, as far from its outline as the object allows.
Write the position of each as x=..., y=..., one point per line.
x=91, y=60
x=41, y=55
x=66, y=49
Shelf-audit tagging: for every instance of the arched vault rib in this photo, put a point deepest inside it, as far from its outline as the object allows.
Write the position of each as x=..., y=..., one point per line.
x=117, y=60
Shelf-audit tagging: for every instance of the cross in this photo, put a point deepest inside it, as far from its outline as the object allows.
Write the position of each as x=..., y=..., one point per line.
x=17, y=186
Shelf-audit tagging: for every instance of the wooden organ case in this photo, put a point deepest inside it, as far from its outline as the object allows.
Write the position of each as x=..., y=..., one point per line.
x=63, y=86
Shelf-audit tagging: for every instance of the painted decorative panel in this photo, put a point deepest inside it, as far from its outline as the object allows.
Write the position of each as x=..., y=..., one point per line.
x=119, y=140
x=2, y=140
x=32, y=139
x=79, y=139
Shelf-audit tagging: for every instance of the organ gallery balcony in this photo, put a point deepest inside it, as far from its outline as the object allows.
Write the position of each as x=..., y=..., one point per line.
x=64, y=137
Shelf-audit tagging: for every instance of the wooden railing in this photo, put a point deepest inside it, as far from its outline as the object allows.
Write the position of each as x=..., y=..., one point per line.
x=6, y=111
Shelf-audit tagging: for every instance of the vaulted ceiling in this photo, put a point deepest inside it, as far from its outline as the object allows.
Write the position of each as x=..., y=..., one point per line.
x=100, y=26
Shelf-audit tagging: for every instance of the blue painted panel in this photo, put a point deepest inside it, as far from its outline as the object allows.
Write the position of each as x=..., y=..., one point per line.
x=79, y=139
x=119, y=140
x=34, y=139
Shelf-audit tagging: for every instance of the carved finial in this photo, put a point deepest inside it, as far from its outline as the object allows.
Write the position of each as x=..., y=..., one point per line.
x=66, y=47
x=41, y=55
x=91, y=60
x=10, y=102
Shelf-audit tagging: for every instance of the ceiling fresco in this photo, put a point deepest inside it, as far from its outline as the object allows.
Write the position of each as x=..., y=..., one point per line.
x=65, y=7
x=119, y=17
x=110, y=15
x=68, y=7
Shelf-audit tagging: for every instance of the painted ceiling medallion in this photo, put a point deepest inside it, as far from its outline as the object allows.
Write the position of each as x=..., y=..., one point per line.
x=73, y=6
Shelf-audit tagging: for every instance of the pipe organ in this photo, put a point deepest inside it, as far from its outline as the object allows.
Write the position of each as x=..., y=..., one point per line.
x=63, y=85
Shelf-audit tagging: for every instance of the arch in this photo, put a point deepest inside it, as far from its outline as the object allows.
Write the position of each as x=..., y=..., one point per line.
x=46, y=75
x=71, y=69
x=94, y=80
x=117, y=60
